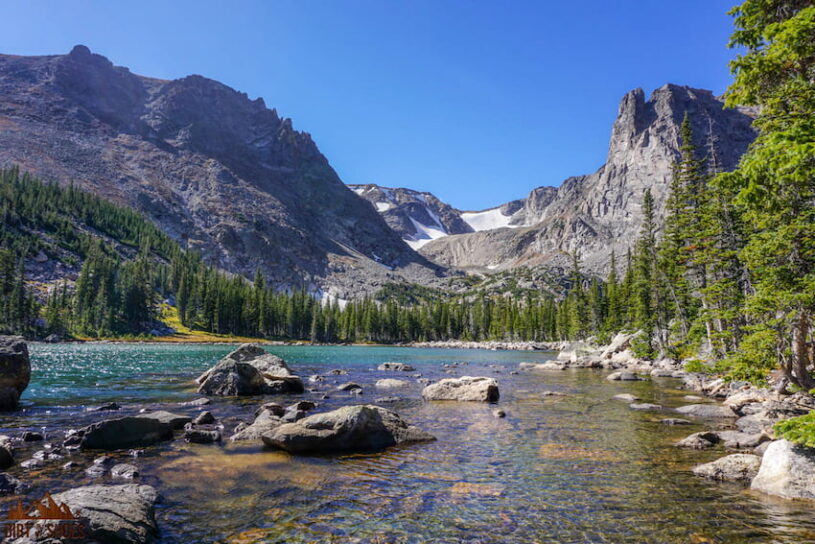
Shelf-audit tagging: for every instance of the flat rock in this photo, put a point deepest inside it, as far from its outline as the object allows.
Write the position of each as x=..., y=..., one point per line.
x=645, y=406
x=351, y=428
x=548, y=365
x=390, y=383
x=736, y=467
x=115, y=513
x=124, y=433
x=175, y=421
x=674, y=421
x=626, y=397
x=739, y=440
x=623, y=376
x=201, y=436
x=708, y=411
x=787, y=470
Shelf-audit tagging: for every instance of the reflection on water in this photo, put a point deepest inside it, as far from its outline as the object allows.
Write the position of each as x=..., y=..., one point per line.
x=580, y=468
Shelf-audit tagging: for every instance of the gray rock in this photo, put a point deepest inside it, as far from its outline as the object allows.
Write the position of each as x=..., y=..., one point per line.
x=466, y=388
x=304, y=405
x=351, y=428
x=626, y=397
x=203, y=401
x=390, y=383
x=263, y=423
x=708, y=411
x=398, y=367
x=249, y=370
x=175, y=421
x=623, y=376
x=338, y=372
x=499, y=413
x=645, y=406
x=699, y=441
x=204, y=418
x=761, y=448
x=787, y=470
x=553, y=394
x=201, y=436
x=273, y=407
x=32, y=436
x=115, y=513
x=9, y=485
x=15, y=370
x=293, y=415
x=349, y=386
x=674, y=421
x=548, y=365
x=108, y=407
x=739, y=440
x=387, y=400
x=736, y=467
x=124, y=471
x=124, y=433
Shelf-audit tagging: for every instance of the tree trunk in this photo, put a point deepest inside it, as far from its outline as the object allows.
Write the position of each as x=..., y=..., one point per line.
x=800, y=352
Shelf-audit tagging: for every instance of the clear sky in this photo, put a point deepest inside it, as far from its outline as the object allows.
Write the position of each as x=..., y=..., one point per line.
x=477, y=101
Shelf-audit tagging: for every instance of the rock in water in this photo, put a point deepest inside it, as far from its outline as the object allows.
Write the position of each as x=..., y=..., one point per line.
x=399, y=367
x=787, y=470
x=706, y=411
x=6, y=455
x=15, y=370
x=123, y=433
x=390, y=383
x=736, y=467
x=115, y=513
x=466, y=388
x=249, y=370
x=351, y=428
x=699, y=441
x=265, y=421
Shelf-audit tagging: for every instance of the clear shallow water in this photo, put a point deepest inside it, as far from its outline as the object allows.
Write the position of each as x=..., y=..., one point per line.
x=576, y=469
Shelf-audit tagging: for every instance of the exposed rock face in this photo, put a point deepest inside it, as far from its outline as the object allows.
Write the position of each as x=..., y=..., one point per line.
x=736, y=467
x=249, y=370
x=466, y=388
x=417, y=217
x=351, y=428
x=787, y=470
x=15, y=370
x=115, y=513
x=217, y=171
x=601, y=212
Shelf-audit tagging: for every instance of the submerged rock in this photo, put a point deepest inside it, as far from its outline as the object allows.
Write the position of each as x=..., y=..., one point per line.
x=787, y=470
x=645, y=406
x=674, y=421
x=115, y=513
x=626, y=397
x=351, y=428
x=15, y=370
x=548, y=365
x=398, y=367
x=736, y=467
x=466, y=388
x=699, y=441
x=390, y=383
x=710, y=411
x=623, y=376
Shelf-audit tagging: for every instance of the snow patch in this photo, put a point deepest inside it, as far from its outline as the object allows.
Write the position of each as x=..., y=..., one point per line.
x=424, y=234
x=383, y=206
x=487, y=220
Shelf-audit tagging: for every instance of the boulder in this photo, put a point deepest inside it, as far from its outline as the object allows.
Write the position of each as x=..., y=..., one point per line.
x=787, y=470
x=390, y=383
x=351, y=428
x=623, y=376
x=265, y=421
x=175, y=421
x=15, y=370
x=619, y=343
x=249, y=370
x=349, y=386
x=708, y=411
x=122, y=433
x=124, y=471
x=204, y=418
x=466, y=388
x=272, y=407
x=115, y=513
x=749, y=396
x=398, y=367
x=699, y=441
x=736, y=467
x=6, y=455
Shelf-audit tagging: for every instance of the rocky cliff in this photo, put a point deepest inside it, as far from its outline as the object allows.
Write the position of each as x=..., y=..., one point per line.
x=219, y=172
x=600, y=212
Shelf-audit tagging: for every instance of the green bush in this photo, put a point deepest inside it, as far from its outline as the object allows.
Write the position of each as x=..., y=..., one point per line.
x=800, y=430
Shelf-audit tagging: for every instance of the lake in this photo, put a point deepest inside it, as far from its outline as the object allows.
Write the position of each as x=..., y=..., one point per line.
x=579, y=468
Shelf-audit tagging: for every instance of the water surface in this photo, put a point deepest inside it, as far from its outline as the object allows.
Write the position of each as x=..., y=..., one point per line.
x=580, y=468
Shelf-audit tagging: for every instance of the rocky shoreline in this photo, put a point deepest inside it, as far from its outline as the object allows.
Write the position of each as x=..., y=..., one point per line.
x=107, y=448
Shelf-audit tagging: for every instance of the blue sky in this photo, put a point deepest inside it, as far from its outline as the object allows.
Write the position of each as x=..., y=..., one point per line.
x=476, y=101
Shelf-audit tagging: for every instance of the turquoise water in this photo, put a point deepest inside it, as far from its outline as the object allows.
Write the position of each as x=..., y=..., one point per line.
x=581, y=468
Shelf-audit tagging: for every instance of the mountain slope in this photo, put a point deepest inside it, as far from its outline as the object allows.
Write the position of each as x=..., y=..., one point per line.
x=600, y=212
x=215, y=170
